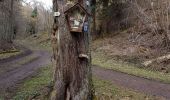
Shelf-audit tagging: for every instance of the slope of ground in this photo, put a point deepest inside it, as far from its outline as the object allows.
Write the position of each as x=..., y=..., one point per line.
x=129, y=47
x=102, y=60
x=33, y=86
x=14, y=75
x=36, y=42
x=6, y=46
x=105, y=90
x=121, y=54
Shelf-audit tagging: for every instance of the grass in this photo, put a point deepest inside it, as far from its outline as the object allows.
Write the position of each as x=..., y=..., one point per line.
x=107, y=91
x=102, y=60
x=5, y=55
x=104, y=89
x=38, y=41
x=33, y=87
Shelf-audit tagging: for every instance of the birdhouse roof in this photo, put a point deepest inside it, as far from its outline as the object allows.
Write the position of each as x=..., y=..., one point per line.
x=79, y=6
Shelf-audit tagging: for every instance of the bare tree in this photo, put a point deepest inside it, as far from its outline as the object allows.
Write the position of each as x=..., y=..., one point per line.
x=6, y=25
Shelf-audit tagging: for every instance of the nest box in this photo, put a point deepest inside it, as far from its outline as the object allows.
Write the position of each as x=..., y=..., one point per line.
x=76, y=16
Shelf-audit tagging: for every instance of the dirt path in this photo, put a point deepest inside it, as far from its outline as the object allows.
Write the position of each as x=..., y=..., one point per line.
x=25, y=52
x=143, y=85
x=10, y=79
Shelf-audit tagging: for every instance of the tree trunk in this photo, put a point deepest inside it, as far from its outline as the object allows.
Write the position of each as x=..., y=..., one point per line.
x=73, y=76
x=6, y=24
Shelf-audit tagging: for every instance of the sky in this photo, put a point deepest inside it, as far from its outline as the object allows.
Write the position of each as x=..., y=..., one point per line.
x=47, y=3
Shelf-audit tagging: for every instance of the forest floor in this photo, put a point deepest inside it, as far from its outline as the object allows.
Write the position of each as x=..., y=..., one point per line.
x=118, y=52
x=134, y=48
x=14, y=71
x=136, y=83
x=25, y=79
x=11, y=80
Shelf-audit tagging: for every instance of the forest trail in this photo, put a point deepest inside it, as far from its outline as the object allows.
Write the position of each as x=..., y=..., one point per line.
x=10, y=79
x=139, y=84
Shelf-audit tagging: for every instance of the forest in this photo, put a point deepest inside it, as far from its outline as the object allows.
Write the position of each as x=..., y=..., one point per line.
x=84, y=49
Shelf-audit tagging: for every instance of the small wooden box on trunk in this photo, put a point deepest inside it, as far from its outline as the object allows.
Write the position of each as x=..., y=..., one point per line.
x=76, y=17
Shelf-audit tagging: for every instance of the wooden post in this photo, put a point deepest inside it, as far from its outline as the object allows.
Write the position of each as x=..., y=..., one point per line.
x=73, y=76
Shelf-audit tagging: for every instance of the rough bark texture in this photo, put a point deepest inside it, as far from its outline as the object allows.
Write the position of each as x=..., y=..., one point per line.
x=73, y=77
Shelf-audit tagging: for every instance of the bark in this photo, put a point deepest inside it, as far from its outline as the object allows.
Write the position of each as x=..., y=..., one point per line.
x=94, y=18
x=73, y=76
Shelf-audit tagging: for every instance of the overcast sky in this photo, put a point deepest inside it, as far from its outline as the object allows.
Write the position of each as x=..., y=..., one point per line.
x=47, y=3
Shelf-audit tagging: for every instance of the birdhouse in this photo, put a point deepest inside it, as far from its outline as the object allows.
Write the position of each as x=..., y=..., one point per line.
x=76, y=16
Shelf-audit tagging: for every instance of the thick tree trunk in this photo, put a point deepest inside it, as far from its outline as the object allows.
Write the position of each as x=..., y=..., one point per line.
x=73, y=77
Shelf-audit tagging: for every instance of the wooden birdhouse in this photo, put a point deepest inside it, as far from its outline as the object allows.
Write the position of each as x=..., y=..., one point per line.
x=76, y=17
